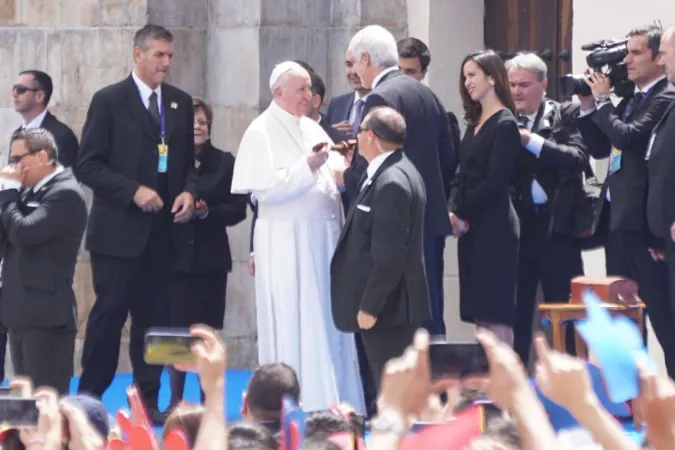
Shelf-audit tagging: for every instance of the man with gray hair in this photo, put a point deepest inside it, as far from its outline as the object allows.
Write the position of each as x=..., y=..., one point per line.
x=549, y=177
x=428, y=145
x=286, y=163
x=137, y=156
x=43, y=218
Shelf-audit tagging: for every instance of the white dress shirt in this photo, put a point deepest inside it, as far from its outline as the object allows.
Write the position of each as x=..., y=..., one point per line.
x=37, y=122
x=381, y=75
x=146, y=92
x=534, y=146
x=374, y=165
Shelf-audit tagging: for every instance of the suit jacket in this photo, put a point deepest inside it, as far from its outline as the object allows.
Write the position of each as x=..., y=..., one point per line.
x=39, y=252
x=378, y=265
x=339, y=109
x=64, y=137
x=661, y=166
x=428, y=144
x=559, y=167
x=119, y=153
x=605, y=129
x=206, y=248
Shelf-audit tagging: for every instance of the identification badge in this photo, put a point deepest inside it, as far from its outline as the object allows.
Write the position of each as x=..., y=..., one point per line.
x=162, y=162
x=649, y=147
x=614, y=160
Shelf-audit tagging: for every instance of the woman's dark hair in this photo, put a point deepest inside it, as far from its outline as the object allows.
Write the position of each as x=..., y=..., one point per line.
x=186, y=417
x=493, y=66
x=200, y=104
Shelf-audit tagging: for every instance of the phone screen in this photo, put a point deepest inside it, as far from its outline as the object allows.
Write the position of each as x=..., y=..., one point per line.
x=18, y=412
x=457, y=359
x=169, y=346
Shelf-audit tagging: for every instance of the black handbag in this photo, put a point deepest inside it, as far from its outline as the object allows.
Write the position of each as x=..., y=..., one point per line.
x=587, y=210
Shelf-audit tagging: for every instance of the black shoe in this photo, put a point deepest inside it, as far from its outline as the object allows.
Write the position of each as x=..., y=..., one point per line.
x=156, y=416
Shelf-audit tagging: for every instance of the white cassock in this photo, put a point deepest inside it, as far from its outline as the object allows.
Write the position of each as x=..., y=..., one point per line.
x=299, y=220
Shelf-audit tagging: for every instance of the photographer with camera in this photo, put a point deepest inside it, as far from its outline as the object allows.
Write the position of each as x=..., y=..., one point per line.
x=622, y=133
x=550, y=166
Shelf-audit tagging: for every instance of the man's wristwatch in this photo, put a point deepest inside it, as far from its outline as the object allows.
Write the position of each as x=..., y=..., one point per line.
x=601, y=98
x=389, y=421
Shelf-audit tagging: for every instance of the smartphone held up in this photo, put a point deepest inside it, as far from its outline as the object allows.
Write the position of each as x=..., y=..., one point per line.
x=169, y=346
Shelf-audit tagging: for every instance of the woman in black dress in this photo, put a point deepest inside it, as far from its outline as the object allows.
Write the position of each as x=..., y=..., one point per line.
x=482, y=215
x=199, y=284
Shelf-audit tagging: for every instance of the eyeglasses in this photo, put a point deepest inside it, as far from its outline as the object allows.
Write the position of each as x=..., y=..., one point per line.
x=16, y=159
x=362, y=129
x=21, y=89
x=202, y=123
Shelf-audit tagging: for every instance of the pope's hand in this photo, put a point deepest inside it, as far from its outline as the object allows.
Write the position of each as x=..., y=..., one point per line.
x=317, y=159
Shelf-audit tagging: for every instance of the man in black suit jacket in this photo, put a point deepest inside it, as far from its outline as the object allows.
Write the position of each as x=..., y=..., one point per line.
x=378, y=283
x=345, y=111
x=623, y=134
x=549, y=177
x=137, y=155
x=42, y=227
x=32, y=92
x=428, y=145
x=661, y=166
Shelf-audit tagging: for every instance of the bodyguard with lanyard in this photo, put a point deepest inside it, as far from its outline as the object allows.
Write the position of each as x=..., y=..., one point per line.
x=622, y=133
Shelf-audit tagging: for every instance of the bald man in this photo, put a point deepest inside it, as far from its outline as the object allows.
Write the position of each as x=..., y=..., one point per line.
x=285, y=163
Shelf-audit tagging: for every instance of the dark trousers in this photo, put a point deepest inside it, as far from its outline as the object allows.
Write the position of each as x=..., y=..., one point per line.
x=550, y=259
x=434, y=247
x=382, y=344
x=367, y=380
x=45, y=355
x=627, y=255
x=139, y=286
x=3, y=352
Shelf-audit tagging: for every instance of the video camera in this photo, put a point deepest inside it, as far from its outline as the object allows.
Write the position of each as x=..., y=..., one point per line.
x=602, y=53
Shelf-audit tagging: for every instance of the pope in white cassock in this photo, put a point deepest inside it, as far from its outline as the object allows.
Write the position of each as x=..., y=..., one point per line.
x=299, y=220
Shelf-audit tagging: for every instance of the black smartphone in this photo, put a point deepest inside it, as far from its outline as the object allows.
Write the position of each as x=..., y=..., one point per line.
x=457, y=359
x=169, y=346
x=18, y=412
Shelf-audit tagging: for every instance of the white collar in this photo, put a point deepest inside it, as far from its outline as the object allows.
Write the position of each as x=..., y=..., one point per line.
x=649, y=86
x=37, y=122
x=381, y=75
x=357, y=97
x=377, y=162
x=45, y=180
x=145, y=91
x=282, y=114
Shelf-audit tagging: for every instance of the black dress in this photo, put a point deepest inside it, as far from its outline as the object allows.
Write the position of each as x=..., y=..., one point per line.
x=488, y=252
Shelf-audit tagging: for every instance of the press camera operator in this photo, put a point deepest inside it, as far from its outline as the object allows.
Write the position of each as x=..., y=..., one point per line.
x=622, y=133
x=550, y=167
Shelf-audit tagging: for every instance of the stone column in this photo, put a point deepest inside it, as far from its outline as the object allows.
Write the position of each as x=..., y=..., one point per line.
x=451, y=29
x=85, y=45
x=246, y=39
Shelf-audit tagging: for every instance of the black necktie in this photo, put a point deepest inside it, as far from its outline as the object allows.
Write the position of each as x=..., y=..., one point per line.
x=153, y=107
x=524, y=121
x=633, y=104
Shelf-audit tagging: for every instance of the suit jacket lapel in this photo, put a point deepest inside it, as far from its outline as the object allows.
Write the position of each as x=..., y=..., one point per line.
x=347, y=107
x=664, y=116
x=138, y=111
x=169, y=111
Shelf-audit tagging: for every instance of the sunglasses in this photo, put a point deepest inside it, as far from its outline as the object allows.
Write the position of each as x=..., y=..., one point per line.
x=21, y=89
x=16, y=159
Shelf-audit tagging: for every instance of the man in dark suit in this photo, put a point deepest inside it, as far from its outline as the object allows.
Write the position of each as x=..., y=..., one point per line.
x=661, y=166
x=549, y=178
x=623, y=135
x=428, y=145
x=32, y=92
x=137, y=155
x=345, y=111
x=318, y=94
x=378, y=284
x=43, y=217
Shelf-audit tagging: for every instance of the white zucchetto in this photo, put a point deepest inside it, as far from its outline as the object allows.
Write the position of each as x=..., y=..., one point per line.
x=281, y=69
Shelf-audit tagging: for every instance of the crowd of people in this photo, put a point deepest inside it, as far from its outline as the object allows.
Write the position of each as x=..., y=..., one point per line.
x=351, y=211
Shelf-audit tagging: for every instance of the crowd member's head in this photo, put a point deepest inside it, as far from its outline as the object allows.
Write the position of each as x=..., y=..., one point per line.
x=153, y=51
x=31, y=92
x=185, y=417
x=304, y=65
x=413, y=58
x=374, y=50
x=34, y=150
x=320, y=444
x=203, y=120
x=291, y=87
x=353, y=77
x=643, y=58
x=382, y=130
x=527, y=80
x=318, y=94
x=483, y=81
x=668, y=53
x=266, y=389
x=323, y=424
x=250, y=436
